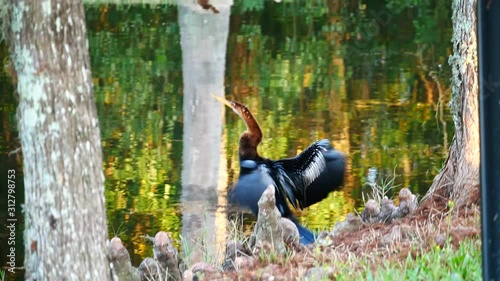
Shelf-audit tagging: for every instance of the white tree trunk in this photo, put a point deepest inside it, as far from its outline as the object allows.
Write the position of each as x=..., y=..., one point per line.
x=66, y=232
x=203, y=40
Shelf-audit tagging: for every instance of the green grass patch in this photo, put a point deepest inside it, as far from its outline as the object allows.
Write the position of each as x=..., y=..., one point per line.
x=448, y=263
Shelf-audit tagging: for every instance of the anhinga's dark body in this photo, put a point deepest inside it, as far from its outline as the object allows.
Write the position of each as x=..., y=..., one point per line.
x=253, y=181
x=303, y=180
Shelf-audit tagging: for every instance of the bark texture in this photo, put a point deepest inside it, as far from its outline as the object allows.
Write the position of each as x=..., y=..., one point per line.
x=120, y=258
x=268, y=231
x=165, y=265
x=459, y=179
x=66, y=232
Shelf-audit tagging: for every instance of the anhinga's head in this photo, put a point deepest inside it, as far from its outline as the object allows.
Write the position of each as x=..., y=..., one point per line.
x=237, y=107
x=251, y=138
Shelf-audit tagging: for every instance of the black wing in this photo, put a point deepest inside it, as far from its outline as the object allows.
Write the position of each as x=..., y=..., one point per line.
x=329, y=180
x=294, y=175
x=253, y=181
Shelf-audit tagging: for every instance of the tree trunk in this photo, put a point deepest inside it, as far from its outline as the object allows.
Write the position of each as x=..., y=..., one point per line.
x=459, y=179
x=203, y=41
x=65, y=235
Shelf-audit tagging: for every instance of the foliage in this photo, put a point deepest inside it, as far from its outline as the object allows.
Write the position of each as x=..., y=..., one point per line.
x=448, y=263
x=380, y=188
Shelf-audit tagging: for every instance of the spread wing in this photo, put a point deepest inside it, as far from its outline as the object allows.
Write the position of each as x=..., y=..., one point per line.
x=294, y=175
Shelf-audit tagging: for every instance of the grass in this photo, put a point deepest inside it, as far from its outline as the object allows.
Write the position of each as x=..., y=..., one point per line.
x=442, y=244
x=420, y=258
x=447, y=263
x=382, y=188
x=202, y=247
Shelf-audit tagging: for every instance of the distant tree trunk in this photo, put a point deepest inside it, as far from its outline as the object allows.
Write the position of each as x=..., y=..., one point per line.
x=203, y=41
x=66, y=232
x=459, y=179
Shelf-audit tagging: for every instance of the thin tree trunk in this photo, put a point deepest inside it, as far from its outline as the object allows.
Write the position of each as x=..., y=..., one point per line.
x=459, y=179
x=65, y=235
x=203, y=41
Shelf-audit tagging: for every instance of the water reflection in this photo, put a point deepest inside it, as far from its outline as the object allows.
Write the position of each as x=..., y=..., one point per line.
x=203, y=41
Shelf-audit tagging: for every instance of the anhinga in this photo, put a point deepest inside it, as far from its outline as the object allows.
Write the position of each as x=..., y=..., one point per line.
x=303, y=180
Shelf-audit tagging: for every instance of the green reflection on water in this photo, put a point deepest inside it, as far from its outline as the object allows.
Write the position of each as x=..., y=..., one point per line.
x=371, y=77
x=135, y=57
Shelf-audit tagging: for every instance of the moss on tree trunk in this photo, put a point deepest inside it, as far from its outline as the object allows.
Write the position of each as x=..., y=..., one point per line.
x=66, y=232
x=459, y=179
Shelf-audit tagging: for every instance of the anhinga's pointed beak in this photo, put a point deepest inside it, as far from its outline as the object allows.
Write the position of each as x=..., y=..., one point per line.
x=222, y=100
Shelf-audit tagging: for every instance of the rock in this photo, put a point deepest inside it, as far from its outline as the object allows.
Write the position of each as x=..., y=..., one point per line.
x=228, y=265
x=268, y=228
x=244, y=262
x=149, y=269
x=371, y=211
x=233, y=250
x=120, y=259
x=354, y=221
x=322, y=235
x=386, y=210
x=165, y=265
x=405, y=195
x=351, y=223
x=166, y=255
x=291, y=234
x=187, y=275
x=407, y=204
x=319, y=273
x=324, y=239
x=202, y=266
x=199, y=270
x=269, y=273
x=235, y=247
x=261, y=248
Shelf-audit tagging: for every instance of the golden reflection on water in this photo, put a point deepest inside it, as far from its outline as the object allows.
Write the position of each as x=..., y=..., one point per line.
x=221, y=221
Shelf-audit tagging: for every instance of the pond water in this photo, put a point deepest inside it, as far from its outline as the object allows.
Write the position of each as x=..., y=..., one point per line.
x=371, y=76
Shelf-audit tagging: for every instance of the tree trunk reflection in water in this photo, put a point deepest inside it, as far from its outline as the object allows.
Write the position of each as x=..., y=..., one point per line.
x=203, y=41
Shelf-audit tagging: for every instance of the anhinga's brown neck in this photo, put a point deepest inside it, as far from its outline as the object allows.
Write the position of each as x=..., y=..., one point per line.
x=250, y=138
